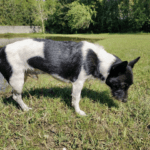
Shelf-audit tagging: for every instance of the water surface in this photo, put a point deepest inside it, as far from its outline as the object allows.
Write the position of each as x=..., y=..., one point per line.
x=5, y=41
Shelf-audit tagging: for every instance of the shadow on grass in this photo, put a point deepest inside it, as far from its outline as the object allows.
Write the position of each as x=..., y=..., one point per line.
x=8, y=100
x=65, y=95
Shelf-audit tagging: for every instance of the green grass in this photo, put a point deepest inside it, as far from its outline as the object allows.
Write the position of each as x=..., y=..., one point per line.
x=53, y=124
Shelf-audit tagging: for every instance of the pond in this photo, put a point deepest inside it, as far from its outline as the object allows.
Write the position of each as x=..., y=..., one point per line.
x=5, y=41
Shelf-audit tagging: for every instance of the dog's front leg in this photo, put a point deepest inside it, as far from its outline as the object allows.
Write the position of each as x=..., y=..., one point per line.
x=76, y=93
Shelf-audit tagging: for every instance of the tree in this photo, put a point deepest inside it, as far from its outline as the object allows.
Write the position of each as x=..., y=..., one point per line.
x=16, y=12
x=40, y=14
x=79, y=16
x=70, y=16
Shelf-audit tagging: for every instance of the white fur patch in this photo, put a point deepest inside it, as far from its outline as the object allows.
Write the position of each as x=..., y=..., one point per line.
x=19, y=52
x=106, y=59
x=82, y=75
x=76, y=91
x=17, y=55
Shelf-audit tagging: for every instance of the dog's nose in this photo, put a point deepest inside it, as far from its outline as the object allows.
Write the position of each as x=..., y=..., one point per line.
x=124, y=100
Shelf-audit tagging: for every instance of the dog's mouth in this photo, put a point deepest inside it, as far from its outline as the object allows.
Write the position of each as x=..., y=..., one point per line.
x=121, y=100
x=124, y=100
x=120, y=96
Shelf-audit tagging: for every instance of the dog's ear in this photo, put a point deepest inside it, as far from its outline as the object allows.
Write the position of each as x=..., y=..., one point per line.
x=119, y=68
x=132, y=63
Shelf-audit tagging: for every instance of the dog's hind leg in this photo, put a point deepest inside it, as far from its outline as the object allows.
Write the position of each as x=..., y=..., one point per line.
x=76, y=93
x=17, y=82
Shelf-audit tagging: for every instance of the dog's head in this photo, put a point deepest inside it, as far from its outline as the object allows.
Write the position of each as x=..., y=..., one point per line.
x=120, y=79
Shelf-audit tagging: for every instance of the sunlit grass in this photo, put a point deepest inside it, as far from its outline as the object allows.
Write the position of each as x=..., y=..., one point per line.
x=53, y=124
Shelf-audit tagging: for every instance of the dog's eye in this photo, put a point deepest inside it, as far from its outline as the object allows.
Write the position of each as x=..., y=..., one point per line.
x=115, y=85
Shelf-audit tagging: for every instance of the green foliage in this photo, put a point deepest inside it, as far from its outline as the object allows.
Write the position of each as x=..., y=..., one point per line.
x=71, y=16
x=56, y=21
x=40, y=14
x=139, y=16
x=79, y=16
x=132, y=13
x=110, y=15
x=13, y=12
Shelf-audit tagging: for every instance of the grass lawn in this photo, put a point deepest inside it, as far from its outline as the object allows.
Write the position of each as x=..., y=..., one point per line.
x=53, y=124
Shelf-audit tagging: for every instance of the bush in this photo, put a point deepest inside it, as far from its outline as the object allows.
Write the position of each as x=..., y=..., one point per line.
x=79, y=16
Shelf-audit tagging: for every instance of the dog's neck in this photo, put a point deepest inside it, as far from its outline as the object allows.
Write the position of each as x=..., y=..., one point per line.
x=106, y=60
x=117, y=60
x=106, y=63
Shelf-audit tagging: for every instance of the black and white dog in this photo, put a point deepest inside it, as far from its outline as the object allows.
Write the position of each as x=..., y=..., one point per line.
x=68, y=61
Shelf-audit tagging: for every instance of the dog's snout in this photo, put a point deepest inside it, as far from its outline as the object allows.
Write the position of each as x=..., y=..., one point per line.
x=120, y=95
x=124, y=100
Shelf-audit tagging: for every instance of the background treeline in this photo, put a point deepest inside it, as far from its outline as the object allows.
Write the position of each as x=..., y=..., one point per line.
x=78, y=16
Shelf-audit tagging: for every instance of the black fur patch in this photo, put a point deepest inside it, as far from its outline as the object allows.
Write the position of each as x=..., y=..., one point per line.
x=61, y=58
x=92, y=65
x=5, y=67
x=118, y=60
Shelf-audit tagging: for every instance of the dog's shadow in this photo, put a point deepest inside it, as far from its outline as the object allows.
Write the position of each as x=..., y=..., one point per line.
x=65, y=95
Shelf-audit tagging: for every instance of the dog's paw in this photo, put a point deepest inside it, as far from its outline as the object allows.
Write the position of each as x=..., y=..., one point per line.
x=26, y=108
x=29, y=108
x=82, y=113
